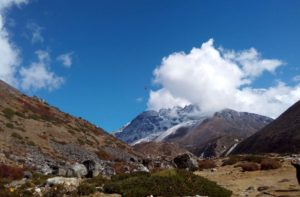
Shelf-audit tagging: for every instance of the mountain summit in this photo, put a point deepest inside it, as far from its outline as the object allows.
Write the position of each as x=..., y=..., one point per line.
x=281, y=136
x=150, y=124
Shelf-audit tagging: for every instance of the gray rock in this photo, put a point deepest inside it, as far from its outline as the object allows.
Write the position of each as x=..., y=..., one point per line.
x=141, y=168
x=17, y=183
x=71, y=173
x=97, y=168
x=59, y=171
x=79, y=170
x=186, y=161
x=108, y=171
x=46, y=170
x=91, y=168
x=63, y=181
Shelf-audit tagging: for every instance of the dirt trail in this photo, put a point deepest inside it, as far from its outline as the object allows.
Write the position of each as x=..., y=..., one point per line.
x=280, y=182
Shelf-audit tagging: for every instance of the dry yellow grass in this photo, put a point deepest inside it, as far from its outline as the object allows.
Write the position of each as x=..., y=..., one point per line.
x=278, y=182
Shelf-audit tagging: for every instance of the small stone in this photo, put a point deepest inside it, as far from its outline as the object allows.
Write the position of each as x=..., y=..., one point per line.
x=46, y=170
x=262, y=188
x=27, y=175
x=251, y=188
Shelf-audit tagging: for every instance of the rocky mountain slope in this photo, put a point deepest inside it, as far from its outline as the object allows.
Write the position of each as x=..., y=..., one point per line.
x=37, y=135
x=150, y=124
x=281, y=136
x=219, y=134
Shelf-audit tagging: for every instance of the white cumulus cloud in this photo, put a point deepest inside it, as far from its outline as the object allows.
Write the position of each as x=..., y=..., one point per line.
x=33, y=77
x=7, y=3
x=216, y=79
x=38, y=75
x=66, y=59
x=9, y=53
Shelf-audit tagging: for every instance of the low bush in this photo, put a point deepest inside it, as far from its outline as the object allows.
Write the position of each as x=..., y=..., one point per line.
x=86, y=189
x=8, y=113
x=164, y=183
x=16, y=135
x=249, y=166
x=206, y=164
x=90, y=185
x=237, y=158
x=9, y=125
x=10, y=172
x=59, y=191
x=39, y=179
x=269, y=164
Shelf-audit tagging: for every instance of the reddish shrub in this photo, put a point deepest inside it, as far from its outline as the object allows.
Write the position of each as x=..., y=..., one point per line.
x=10, y=172
x=248, y=166
x=206, y=164
x=269, y=164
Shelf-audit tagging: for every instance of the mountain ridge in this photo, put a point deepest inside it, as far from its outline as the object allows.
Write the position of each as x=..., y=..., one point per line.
x=281, y=136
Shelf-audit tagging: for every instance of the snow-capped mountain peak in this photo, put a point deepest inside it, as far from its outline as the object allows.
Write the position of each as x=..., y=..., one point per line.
x=152, y=123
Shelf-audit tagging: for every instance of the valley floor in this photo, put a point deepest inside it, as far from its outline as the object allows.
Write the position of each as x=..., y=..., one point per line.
x=280, y=182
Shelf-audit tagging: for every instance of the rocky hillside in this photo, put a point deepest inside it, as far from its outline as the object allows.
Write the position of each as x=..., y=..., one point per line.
x=162, y=155
x=219, y=134
x=150, y=124
x=281, y=136
x=159, y=149
x=40, y=136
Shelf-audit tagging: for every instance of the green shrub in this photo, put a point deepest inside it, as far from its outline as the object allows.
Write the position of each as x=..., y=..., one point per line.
x=86, y=189
x=121, y=177
x=20, y=114
x=269, y=164
x=80, y=141
x=31, y=143
x=9, y=125
x=8, y=113
x=16, y=135
x=56, y=191
x=39, y=179
x=166, y=183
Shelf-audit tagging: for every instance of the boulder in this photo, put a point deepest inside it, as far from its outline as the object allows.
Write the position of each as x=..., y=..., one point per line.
x=17, y=183
x=58, y=171
x=63, y=181
x=46, y=170
x=71, y=173
x=94, y=169
x=108, y=171
x=91, y=168
x=186, y=161
x=141, y=168
x=79, y=170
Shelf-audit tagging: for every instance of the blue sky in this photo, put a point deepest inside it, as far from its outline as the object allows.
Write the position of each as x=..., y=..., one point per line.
x=116, y=45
